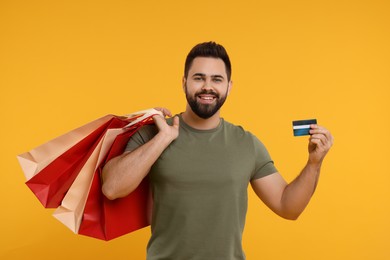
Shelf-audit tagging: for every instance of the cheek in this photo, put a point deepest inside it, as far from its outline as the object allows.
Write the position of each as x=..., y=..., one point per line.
x=192, y=87
x=222, y=90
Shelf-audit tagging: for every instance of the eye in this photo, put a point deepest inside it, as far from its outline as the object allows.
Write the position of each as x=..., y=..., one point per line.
x=198, y=78
x=217, y=80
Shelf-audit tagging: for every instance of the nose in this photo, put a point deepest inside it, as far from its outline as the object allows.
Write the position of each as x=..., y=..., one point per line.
x=207, y=84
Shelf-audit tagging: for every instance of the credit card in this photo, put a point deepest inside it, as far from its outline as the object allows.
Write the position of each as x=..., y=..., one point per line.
x=302, y=127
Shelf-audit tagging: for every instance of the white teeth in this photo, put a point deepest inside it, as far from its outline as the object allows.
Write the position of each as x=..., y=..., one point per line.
x=207, y=98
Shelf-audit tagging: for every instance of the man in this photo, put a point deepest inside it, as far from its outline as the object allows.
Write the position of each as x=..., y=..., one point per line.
x=200, y=166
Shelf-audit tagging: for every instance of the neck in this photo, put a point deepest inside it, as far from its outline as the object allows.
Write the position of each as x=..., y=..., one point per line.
x=191, y=119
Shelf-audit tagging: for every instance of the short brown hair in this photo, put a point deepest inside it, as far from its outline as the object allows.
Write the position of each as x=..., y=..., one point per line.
x=208, y=49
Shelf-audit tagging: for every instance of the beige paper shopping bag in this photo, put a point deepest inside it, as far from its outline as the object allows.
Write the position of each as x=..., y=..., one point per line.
x=72, y=206
x=71, y=210
x=38, y=158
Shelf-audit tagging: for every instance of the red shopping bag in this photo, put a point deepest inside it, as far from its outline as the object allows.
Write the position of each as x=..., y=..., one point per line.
x=107, y=219
x=52, y=182
x=71, y=211
x=38, y=158
x=63, y=172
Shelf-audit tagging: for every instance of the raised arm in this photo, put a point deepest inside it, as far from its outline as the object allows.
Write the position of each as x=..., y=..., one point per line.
x=122, y=174
x=289, y=200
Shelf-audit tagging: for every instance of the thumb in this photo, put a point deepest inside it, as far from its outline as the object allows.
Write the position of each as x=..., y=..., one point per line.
x=176, y=122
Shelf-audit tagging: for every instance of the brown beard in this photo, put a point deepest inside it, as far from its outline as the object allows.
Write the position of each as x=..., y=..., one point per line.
x=202, y=110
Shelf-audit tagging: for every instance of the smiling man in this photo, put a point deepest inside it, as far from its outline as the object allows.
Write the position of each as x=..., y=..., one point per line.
x=206, y=84
x=200, y=166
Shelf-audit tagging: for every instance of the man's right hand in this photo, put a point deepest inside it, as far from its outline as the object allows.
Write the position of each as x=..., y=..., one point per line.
x=122, y=174
x=165, y=130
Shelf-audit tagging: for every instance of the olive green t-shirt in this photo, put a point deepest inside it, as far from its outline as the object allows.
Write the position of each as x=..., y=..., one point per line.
x=199, y=186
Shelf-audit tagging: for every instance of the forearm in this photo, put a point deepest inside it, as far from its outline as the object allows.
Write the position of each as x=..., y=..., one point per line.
x=289, y=200
x=123, y=174
x=298, y=193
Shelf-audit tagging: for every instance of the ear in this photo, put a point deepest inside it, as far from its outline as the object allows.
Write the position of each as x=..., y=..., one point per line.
x=230, y=85
x=183, y=83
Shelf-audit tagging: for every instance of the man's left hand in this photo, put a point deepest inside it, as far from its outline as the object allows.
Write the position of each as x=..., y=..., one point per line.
x=321, y=140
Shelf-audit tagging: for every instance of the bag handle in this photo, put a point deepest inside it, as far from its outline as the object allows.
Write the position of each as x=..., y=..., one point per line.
x=142, y=115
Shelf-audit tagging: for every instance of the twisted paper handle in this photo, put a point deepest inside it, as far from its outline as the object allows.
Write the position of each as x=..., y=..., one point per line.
x=142, y=115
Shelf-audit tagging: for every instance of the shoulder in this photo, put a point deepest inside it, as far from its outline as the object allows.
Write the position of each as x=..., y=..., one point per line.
x=237, y=130
x=142, y=136
x=147, y=132
x=244, y=136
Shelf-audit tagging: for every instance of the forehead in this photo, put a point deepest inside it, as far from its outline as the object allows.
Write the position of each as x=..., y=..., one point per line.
x=207, y=66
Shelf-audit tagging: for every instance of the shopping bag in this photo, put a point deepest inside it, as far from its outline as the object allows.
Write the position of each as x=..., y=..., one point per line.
x=52, y=182
x=65, y=181
x=130, y=213
x=107, y=219
x=38, y=158
x=51, y=168
x=71, y=209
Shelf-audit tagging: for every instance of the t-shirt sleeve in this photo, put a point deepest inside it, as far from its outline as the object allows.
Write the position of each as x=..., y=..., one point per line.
x=142, y=136
x=264, y=165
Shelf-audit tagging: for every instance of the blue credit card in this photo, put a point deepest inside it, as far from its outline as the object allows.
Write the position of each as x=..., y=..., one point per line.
x=302, y=127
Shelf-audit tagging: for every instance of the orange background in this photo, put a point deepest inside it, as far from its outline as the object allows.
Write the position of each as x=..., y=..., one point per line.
x=65, y=63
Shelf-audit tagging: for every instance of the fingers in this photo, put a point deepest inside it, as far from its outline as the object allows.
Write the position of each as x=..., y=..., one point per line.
x=159, y=120
x=164, y=110
x=169, y=131
x=321, y=136
x=321, y=132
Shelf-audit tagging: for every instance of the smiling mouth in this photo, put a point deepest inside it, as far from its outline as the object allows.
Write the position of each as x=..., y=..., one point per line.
x=206, y=98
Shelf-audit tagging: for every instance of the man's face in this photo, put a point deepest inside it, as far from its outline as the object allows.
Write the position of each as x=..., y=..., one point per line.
x=206, y=86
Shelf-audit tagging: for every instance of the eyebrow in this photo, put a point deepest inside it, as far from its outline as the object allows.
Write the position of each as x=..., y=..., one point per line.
x=204, y=75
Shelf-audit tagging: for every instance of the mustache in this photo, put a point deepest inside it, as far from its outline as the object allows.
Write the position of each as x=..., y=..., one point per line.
x=207, y=92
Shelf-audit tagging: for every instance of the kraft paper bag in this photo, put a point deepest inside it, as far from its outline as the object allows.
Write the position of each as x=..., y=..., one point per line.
x=51, y=168
x=51, y=183
x=61, y=173
x=72, y=206
x=71, y=210
x=38, y=158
